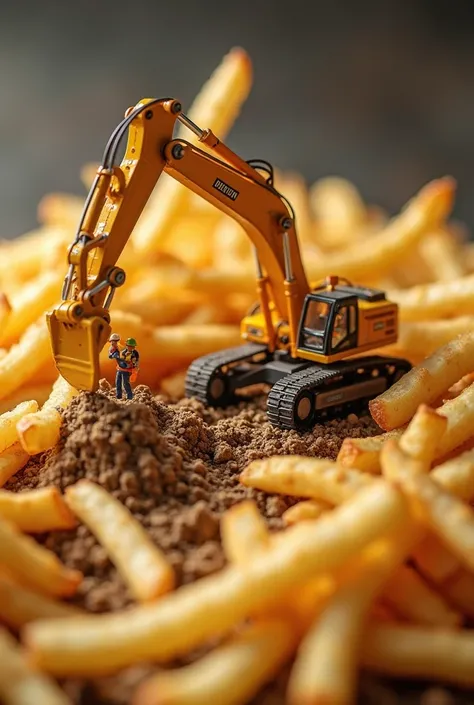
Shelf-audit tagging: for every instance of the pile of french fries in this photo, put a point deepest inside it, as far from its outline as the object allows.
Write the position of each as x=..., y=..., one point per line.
x=375, y=567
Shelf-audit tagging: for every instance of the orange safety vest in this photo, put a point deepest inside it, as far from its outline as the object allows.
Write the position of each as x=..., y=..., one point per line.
x=130, y=367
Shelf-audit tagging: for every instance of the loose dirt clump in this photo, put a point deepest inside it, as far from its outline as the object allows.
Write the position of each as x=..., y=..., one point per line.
x=176, y=467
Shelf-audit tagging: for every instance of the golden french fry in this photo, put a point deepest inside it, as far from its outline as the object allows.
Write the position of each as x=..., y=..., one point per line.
x=434, y=561
x=9, y=420
x=423, y=434
x=5, y=310
x=293, y=187
x=37, y=393
x=23, y=251
x=304, y=477
x=34, y=565
x=39, y=431
x=60, y=209
x=419, y=339
x=19, y=605
x=304, y=511
x=364, y=453
x=36, y=511
x=339, y=211
x=141, y=564
x=325, y=669
x=229, y=675
x=232, y=247
x=12, y=459
x=424, y=383
x=25, y=358
x=438, y=300
x=216, y=107
x=427, y=209
x=443, y=255
x=419, y=652
x=36, y=297
x=243, y=532
x=20, y=684
x=411, y=598
x=104, y=643
x=457, y=475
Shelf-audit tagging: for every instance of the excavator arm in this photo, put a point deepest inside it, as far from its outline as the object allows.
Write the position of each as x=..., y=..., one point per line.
x=80, y=325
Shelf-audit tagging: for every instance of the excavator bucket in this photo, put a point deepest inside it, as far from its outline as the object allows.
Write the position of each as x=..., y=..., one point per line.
x=76, y=349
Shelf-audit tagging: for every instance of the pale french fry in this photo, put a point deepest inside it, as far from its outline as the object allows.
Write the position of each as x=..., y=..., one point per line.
x=19, y=605
x=364, y=453
x=216, y=107
x=423, y=434
x=457, y=475
x=339, y=211
x=34, y=565
x=304, y=477
x=141, y=564
x=25, y=358
x=419, y=339
x=427, y=209
x=191, y=240
x=36, y=511
x=425, y=383
x=417, y=652
x=23, y=251
x=434, y=561
x=12, y=459
x=100, y=644
x=325, y=669
x=232, y=247
x=460, y=415
x=20, y=684
x=443, y=254
x=229, y=675
x=36, y=297
x=243, y=532
x=411, y=598
x=37, y=393
x=304, y=511
x=9, y=420
x=39, y=431
x=293, y=187
x=437, y=300
x=60, y=209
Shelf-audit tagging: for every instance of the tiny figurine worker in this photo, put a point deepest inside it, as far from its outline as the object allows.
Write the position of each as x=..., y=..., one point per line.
x=127, y=364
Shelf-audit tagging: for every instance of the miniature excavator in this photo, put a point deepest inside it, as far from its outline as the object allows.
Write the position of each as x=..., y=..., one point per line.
x=296, y=339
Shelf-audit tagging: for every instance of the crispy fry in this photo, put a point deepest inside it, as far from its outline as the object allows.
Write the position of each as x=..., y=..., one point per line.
x=25, y=358
x=216, y=107
x=37, y=510
x=38, y=393
x=156, y=631
x=423, y=435
x=434, y=560
x=417, y=652
x=438, y=300
x=427, y=209
x=40, y=431
x=304, y=511
x=12, y=459
x=294, y=188
x=364, y=453
x=229, y=675
x=339, y=211
x=36, y=297
x=443, y=254
x=425, y=383
x=232, y=248
x=457, y=475
x=419, y=339
x=326, y=666
x=304, y=477
x=19, y=605
x=411, y=598
x=34, y=565
x=243, y=533
x=141, y=564
x=9, y=420
x=19, y=683
x=23, y=251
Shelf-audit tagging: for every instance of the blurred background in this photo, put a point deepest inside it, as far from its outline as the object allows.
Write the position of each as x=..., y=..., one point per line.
x=378, y=91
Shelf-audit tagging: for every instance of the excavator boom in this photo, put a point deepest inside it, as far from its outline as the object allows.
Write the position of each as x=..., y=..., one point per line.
x=80, y=326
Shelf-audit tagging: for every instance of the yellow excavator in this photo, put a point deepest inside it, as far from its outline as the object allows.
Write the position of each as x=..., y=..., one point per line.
x=296, y=339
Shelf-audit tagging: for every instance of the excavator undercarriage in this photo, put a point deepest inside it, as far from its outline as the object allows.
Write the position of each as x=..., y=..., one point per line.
x=302, y=392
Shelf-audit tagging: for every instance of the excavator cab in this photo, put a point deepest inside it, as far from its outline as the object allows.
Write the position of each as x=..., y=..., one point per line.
x=329, y=323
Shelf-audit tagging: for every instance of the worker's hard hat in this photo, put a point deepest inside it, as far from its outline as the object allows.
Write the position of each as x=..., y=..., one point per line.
x=132, y=342
x=114, y=337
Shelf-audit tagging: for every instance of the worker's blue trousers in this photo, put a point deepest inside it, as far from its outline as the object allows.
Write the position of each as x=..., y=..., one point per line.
x=122, y=379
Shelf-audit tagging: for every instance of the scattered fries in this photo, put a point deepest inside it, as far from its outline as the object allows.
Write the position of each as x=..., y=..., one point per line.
x=19, y=605
x=36, y=511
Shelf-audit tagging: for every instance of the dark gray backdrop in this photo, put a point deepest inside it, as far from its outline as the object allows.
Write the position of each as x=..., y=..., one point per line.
x=379, y=91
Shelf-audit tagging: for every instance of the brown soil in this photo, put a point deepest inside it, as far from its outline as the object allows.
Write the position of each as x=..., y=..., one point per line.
x=176, y=467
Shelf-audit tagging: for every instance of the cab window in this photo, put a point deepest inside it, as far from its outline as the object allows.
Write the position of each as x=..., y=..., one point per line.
x=316, y=319
x=344, y=326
